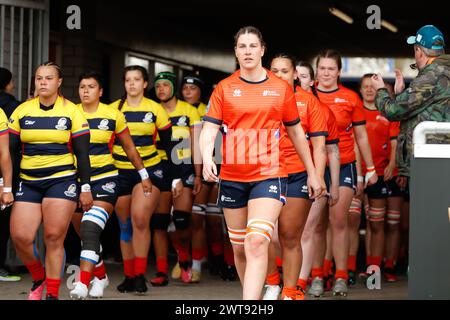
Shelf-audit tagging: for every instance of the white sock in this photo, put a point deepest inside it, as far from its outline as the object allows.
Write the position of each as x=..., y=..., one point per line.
x=197, y=265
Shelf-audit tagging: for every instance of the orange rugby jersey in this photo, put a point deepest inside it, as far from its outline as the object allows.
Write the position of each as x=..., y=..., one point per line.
x=348, y=111
x=252, y=115
x=380, y=132
x=314, y=123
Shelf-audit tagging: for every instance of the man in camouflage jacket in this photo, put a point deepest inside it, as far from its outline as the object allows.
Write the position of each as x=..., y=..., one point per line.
x=426, y=99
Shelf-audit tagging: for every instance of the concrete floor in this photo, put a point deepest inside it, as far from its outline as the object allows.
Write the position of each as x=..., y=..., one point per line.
x=210, y=288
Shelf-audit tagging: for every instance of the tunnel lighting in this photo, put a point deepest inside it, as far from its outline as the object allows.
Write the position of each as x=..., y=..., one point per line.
x=389, y=26
x=341, y=15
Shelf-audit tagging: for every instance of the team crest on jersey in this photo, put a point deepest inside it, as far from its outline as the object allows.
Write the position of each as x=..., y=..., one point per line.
x=273, y=189
x=11, y=120
x=159, y=173
x=62, y=124
x=237, y=93
x=71, y=191
x=301, y=104
x=109, y=187
x=182, y=122
x=148, y=118
x=104, y=124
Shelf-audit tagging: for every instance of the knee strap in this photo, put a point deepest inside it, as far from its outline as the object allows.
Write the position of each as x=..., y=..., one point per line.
x=96, y=215
x=393, y=217
x=126, y=229
x=376, y=214
x=355, y=207
x=181, y=219
x=160, y=221
x=199, y=209
x=90, y=241
x=237, y=236
x=260, y=227
x=213, y=210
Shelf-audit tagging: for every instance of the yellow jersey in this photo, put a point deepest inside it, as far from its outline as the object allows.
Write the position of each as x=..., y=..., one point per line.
x=3, y=123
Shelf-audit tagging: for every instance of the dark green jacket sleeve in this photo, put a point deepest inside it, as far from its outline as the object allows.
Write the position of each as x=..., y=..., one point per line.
x=411, y=101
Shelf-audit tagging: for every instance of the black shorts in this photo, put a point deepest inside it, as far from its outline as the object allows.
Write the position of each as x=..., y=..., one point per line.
x=234, y=195
x=393, y=188
x=348, y=176
x=327, y=178
x=129, y=178
x=106, y=189
x=187, y=176
x=405, y=191
x=35, y=191
x=166, y=185
x=379, y=190
x=297, y=186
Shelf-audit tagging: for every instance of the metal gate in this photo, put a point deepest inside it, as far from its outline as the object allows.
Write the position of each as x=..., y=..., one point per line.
x=24, y=40
x=429, y=249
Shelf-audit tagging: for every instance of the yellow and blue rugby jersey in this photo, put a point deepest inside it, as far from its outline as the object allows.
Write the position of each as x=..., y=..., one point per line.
x=105, y=124
x=3, y=123
x=143, y=121
x=201, y=108
x=45, y=137
x=183, y=117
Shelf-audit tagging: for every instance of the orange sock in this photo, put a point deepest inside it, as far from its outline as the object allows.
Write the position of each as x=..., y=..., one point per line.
x=369, y=260
x=302, y=283
x=289, y=292
x=100, y=271
x=351, y=263
x=327, y=265
x=128, y=268
x=273, y=279
x=279, y=262
x=343, y=274
x=36, y=269
x=140, y=265
x=317, y=272
x=53, y=287
x=389, y=264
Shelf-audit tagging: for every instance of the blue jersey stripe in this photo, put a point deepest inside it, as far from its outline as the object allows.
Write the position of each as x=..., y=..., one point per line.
x=44, y=149
x=96, y=149
x=45, y=123
x=125, y=159
x=45, y=172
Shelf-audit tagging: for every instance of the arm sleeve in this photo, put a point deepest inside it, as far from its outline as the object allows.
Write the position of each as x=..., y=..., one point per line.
x=121, y=123
x=317, y=119
x=214, y=111
x=80, y=125
x=358, y=117
x=80, y=143
x=410, y=102
x=14, y=123
x=290, y=111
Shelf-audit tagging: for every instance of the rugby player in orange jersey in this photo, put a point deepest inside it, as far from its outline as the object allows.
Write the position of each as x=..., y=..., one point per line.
x=347, y=108
x=252, y=105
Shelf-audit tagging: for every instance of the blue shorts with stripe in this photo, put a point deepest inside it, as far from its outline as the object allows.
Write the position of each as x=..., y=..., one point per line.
x=234, y=194
x=129, y=178
x=348, y=176
x=36, y=190
x=297, y=186
x=106, y=189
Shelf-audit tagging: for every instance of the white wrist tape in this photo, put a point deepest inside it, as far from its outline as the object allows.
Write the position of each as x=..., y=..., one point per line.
x=144, y=174
x=86, y=188
x=1, y=182
x=360, y=179
x=369, y=175
x=7, y=189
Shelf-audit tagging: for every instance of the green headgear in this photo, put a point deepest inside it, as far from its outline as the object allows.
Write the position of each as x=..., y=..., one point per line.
x=169, y=76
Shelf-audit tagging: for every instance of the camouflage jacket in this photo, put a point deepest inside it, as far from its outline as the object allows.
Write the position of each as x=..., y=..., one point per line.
x=426, y=99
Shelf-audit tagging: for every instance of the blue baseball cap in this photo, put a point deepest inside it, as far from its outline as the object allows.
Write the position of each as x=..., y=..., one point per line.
x=428, y=37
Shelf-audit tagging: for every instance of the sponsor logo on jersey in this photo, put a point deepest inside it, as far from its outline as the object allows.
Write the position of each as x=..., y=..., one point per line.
x=270, y=93
x=148, y=118
x=109, y=187
x=237, y=93
x=61, y=124
x=339, y=100
x=71, y=191
x=104, y=124
x=19, y=192
x=273, y=189
x=301, y=104
x=182, y=122
x=29, y=122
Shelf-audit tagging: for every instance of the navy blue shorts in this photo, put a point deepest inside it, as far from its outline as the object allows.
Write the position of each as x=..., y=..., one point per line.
x=106, y=189
x=187, y=176
x=393, y=188
x=166, y=185
x=379, y=190
x=128, y=178
x=234, y=195
x=60, y=188
x=327, y=178
x=348, y=176
x=405, y=191
x=297, y=186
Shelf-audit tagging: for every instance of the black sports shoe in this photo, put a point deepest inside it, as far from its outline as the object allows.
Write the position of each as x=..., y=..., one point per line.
x=127, y=285
x=228, y=273
x=140, y=284
x=50, y=297
x=215, y=264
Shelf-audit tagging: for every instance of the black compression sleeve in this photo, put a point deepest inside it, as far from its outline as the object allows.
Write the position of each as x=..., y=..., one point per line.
x=167, y=144
x=14, y=149
x=80, y=146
